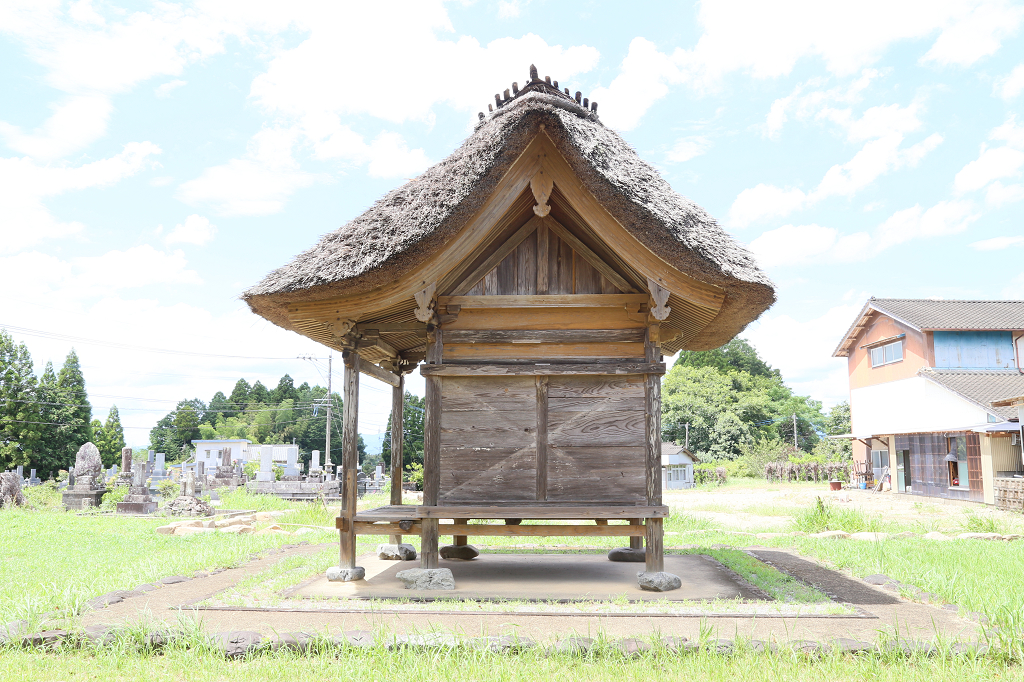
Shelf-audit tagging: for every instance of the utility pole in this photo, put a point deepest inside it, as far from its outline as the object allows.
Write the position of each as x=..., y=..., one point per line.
x=327, y=456
x=794, y=431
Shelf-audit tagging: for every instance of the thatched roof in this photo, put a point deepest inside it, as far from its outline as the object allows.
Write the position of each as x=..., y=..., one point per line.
x=413, y=222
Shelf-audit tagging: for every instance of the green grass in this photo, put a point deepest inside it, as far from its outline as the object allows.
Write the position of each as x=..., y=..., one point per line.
x=823, y=515
x=463, y=663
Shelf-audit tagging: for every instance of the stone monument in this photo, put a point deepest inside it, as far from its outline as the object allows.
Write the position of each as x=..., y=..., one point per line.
x=266, y=472
x=138, y=500
x=89, y=486
x=10, y=490
x=126, y=467
x=187, y=504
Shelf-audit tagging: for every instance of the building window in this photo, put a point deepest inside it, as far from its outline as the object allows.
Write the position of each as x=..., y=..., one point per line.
x=879, y=461
x=890, y=352
x=956, y=463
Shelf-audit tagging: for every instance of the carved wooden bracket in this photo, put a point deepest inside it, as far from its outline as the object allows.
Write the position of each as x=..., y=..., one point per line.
x=541, y=185
x=341, y=329
x=425, y=303
x=660, y=295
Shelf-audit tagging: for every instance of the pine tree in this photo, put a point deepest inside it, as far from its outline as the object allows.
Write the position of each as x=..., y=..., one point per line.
x=219, y=407
x=19, y=414
x=259, y=394
x=239, y=398
x=99, y=439
x=46, y=461
x=113, y=437
x=73, y=415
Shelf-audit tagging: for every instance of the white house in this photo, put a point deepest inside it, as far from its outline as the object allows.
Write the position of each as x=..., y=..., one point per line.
x=676, y=467
x=207, y=451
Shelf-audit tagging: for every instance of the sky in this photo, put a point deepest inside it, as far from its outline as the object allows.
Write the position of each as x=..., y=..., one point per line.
x=156, y=159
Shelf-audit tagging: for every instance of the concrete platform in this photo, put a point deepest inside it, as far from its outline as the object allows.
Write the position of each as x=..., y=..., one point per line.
x=568, y=577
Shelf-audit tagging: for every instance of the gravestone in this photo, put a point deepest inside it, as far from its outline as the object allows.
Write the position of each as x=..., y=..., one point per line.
x=291, y=467
x=138, y=500
x=150, y=461
x=266, y=472
x=10, y=490
x=187, y=504
x=32, y=479
x=314, y=461
x=89, y=486
x=126, y=467
x=20, y=470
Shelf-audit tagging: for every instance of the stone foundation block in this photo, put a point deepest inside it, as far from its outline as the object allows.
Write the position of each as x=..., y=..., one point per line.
x=402, y=552
x=658, y=581
x=627, y=554
x=427, y=579
x=345, y=575
x=464, y=552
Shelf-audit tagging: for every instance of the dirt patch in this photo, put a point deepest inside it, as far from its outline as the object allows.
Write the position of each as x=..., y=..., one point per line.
x=835, y=585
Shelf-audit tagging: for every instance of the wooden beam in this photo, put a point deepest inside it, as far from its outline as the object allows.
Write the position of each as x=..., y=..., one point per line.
x=470, y=280
x=539, y=512
x=542, y=258
x=503, y=530
x=637, y=541
x=392, y=328
x=432, y=449
x=654, y=538
x=397, y=443
x=429, y=533
x=349, y=456
x=544, y=335
x=542, y=437
x=591, y=257
x=379, y=373
x=549, y=301
x=539, y=369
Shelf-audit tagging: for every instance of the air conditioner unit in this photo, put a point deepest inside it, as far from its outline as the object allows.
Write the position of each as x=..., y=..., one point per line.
x=1015, y=439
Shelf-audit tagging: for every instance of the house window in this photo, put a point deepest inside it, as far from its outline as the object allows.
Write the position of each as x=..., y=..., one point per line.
x=957, y=470
x=879, y=461
x=890, y=352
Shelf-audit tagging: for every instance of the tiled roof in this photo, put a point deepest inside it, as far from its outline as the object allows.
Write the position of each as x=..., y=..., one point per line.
x=981, y=387
x=926, y=313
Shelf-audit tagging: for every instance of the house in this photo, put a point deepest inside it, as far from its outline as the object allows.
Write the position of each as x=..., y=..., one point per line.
x=923, y=377
x=535, y=277
x=210, y=452
x=677, y=467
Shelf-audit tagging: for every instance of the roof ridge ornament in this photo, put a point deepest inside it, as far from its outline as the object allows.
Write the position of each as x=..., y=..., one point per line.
x=535, y=84
x=541, y=184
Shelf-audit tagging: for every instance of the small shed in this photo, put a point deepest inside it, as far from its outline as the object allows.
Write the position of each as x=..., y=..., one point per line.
x=535, y=277
x=677, y=467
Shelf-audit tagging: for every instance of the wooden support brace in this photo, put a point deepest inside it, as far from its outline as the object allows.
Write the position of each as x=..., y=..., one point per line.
x=655, y=537
x=428, y=543
x=636, y=541
x=349, y=457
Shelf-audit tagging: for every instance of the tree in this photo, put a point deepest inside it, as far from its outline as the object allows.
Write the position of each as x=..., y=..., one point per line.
x=99, y=439
x=738, y=354
x=47, y=462
x=219, y=407
x=285, y=391
x=412, y=430
x=113, y=435
x=239, y=398
x=20, y=431
x=73, y=414
x=259, y=395
x=186, y=421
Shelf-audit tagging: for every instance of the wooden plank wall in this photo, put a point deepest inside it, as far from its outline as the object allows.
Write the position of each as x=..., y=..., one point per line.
x=566, y=271
x=594, y=443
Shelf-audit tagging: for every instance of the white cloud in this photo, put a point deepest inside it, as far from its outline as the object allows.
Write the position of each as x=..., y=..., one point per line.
x=195, y=230
x=796, y=244
x=509, y=9
x=75, y=123
x=1012, y=85
x=687, y=148
x=767, y=39
x=884, y=127
x=809, y=99
x=764, y=201
x=33, y=273
x=808, y=366
x=791, y=244
x=1014, y=290
x=1010, y=132
x=165, y=89
x=259, y=183
x=991, y=164
x=996, y=243
x=999, y=194
x=24, y=185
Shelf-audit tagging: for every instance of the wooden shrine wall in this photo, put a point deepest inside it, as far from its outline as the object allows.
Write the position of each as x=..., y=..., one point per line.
x=558, y=439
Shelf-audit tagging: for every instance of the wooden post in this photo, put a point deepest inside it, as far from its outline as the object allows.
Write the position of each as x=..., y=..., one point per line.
x=542, y=438
x=460, y=540
x=652, y=389
x=636, y=542
x=431, y=449
x=397, y=440
x=350, y=457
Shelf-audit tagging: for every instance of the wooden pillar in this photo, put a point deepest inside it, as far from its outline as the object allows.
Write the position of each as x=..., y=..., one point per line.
x=397, y=440
x=349, y=457
x=431, y=450
x=460, y=540
x=636, y=542
x=652, y=390
x=542, y=438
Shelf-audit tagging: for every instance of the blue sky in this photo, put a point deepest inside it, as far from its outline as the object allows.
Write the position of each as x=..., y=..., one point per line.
x=157, y=159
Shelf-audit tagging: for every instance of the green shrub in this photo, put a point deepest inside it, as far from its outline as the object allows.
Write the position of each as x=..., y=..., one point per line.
x=112, y=497
x=168, y=489
x=415, y=474
x=43, y=496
